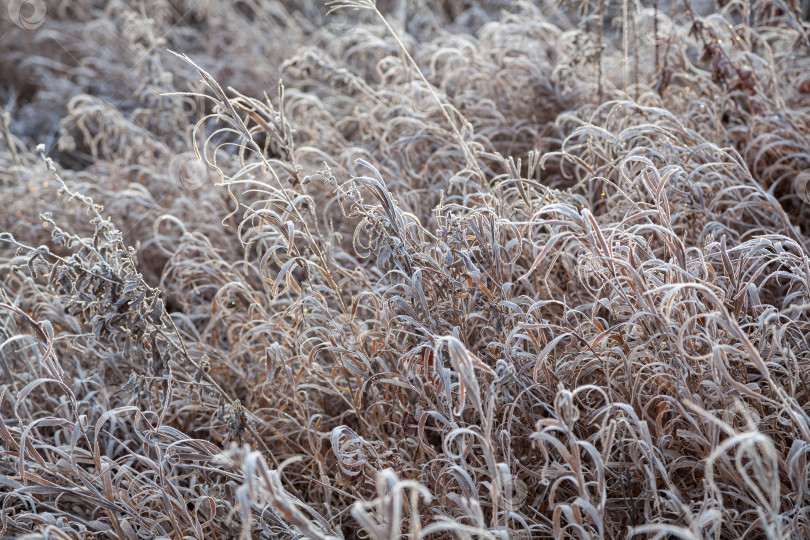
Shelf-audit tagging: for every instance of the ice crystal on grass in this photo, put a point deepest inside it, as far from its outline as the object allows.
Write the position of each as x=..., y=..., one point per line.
x=367, y=269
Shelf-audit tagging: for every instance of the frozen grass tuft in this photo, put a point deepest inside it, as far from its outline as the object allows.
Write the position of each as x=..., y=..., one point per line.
x=372, y=269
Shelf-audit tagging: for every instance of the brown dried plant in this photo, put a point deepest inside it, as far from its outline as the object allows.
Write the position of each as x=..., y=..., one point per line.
x=360, y=269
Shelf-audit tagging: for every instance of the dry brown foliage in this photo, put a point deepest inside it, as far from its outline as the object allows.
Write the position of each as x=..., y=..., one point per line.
x=481, y=269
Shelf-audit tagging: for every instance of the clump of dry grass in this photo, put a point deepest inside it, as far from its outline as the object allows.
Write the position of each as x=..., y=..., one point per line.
x=444, y=270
